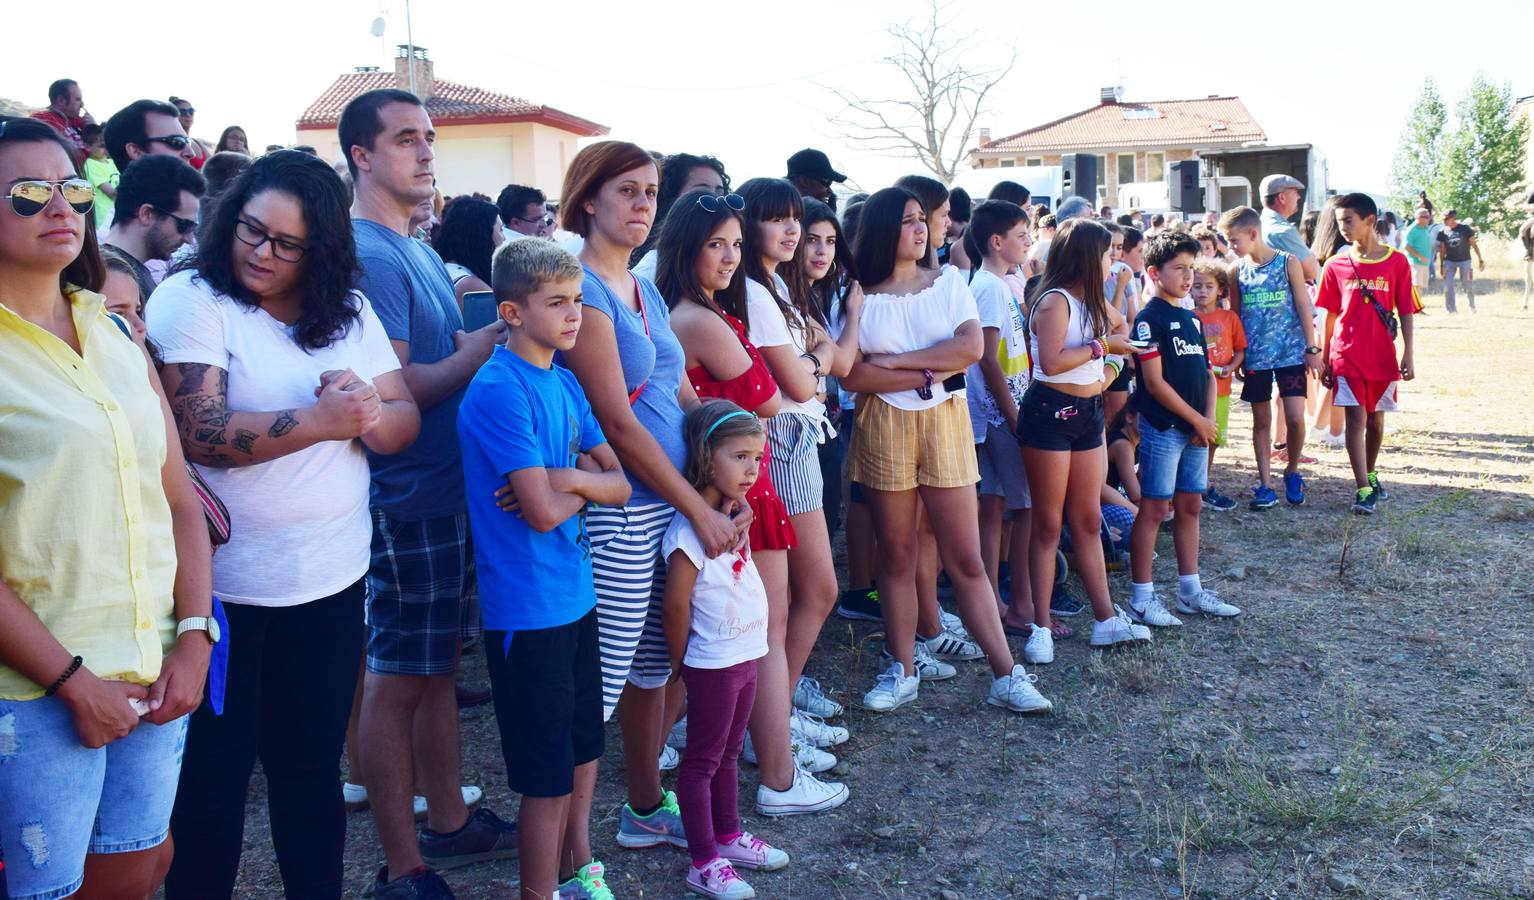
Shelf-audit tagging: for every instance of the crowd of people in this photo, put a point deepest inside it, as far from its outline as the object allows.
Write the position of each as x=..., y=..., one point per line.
x=261, y=486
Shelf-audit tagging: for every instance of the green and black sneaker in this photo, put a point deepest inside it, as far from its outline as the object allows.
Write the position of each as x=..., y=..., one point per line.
x=861, y=605
x=1379, y=492
x=1364, y=501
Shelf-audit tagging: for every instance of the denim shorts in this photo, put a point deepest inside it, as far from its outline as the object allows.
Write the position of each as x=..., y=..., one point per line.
x=1054, y=420
x=61, y=800
x=1169, y=462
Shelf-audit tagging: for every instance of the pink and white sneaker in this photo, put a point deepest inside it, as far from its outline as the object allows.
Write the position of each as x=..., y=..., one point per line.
x=718, y=880
x=748, y=851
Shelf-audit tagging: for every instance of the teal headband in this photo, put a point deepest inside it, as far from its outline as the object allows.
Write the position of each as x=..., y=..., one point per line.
x=723, y=419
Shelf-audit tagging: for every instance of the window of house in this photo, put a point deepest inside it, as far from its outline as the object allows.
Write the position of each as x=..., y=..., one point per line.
x=1034, y=161
x=1102, y=170
x=1008, y=163
x=1155, y=166
x=1126, y=164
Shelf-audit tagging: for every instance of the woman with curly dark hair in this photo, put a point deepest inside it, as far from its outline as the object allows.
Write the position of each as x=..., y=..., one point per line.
x=466, y=240
x=279, y=374
x=681, y=173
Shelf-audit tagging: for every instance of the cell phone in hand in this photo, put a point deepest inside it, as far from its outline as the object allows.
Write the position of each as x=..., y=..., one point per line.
x=479, y=309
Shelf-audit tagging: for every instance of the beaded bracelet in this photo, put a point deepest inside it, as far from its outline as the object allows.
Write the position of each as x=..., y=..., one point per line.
x=1098, y=348
x=74, y=666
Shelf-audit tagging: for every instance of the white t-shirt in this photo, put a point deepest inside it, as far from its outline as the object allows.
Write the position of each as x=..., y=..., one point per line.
x=729, y=603
x=997, y=308
x=1040, y=249
x=647, y=264
x=901, y=323
x=299, y=524
x=768, y=328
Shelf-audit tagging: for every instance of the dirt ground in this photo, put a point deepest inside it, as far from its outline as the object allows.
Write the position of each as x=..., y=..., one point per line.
x=1364, y=728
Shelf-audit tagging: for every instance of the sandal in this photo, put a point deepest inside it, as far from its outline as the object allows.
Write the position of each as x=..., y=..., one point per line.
x=1059, y=629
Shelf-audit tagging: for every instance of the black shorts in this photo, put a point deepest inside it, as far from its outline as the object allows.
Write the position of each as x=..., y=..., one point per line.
x=547, y=684
x=1258, y=387
x=1054, y=420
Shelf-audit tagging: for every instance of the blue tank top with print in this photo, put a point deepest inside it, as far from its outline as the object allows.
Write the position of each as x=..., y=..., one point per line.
x=1274, y=336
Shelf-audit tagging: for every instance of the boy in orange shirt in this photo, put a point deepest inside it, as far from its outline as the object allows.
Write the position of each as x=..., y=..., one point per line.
x=1226, y=341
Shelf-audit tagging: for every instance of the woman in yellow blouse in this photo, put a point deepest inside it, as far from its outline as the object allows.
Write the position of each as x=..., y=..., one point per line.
x=104, y=559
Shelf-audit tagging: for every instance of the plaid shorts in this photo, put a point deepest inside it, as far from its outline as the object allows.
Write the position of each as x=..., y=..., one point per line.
x=422, y=582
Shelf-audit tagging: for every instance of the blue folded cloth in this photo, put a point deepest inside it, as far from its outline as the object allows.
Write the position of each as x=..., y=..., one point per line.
x=218, y=663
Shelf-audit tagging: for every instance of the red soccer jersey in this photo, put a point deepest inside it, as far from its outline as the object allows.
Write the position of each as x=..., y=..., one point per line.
x=1361, y=347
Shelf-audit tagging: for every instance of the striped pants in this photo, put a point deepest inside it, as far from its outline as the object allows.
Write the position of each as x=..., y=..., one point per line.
x=630, y=577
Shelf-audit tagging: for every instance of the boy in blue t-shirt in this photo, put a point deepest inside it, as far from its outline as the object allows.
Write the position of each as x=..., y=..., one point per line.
x=533, y=458
x=1176, y=403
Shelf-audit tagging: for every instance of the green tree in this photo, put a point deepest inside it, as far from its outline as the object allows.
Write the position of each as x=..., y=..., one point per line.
x=1417, y=159
x=1481, y=168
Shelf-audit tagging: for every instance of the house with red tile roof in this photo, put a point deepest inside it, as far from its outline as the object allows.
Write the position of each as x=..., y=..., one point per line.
x=485, y=140
x=1134, y=142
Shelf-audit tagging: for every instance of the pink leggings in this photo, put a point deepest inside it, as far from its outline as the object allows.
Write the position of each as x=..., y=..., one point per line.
x=708, y=780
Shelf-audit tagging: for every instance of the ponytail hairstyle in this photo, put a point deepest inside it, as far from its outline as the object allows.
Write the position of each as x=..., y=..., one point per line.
x=86, y=270
x=932, y=194
x=1076, y=260
x=705, y=427
x=688, y=227
x=768, y=199
x=827, y=295
x=991, y=218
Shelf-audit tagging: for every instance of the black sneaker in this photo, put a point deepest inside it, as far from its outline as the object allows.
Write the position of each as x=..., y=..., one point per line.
x=1374, y=482
x=1364, y=501
x=862, y=605
x=1064, y=603
x=1218, y=501
x=484, y=837
x=418, y=884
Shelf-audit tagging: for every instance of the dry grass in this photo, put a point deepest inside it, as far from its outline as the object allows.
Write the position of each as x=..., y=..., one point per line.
x=1368, y=719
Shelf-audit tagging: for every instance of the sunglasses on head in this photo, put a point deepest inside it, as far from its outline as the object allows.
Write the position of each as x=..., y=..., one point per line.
x=712, y=203
x=173, y=141
x=183, y=226
x=28, y=198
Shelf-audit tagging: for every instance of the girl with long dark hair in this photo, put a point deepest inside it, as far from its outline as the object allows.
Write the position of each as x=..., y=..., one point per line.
x=699, y=257
x=681, y=173
x=279, y=375
x=1071, y=329
x=466, y=240
x=919, y=327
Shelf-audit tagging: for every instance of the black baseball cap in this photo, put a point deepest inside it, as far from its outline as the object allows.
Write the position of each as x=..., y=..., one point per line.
x=814, y=164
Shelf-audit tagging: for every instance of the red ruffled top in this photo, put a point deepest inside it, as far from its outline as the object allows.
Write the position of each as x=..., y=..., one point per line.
x=770, y=527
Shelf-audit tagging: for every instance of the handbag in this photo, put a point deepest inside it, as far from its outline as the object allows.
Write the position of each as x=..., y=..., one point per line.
x=1387, y=318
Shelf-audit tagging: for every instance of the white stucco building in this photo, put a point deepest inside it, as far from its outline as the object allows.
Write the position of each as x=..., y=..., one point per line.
x=485, y=140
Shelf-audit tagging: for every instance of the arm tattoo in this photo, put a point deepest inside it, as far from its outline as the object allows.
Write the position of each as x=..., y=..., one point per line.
x=244, y=440
x=192, y=376
x=285, y=423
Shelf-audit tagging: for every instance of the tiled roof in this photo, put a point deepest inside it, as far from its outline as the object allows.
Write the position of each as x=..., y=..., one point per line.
x=1128, y=125
x=452, y=103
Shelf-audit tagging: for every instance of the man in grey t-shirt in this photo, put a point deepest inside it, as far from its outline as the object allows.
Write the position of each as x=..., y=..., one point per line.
x=1280, y=200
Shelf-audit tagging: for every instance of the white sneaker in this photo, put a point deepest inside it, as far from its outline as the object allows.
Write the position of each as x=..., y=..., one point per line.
x=811, y=699
x=1155, y=613
x=1118, y=630
x=1017, y=693
x=669, y=758
x=929, y=667
x=806, y=755
x=1040, y=649
x=949, y=645
x=718, y=880
x=815, y=731
x=952, y=624
x=355, y=796
x=678, y=736
x=807, y=794
x=893, y=690
x=1205, y=603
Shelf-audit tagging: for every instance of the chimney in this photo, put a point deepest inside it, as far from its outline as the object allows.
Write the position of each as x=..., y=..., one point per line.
x=985, y=136
x=1110, y=95
x=406, y=57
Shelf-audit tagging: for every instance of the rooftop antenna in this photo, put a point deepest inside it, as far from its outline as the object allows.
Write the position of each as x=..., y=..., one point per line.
x=378, y=28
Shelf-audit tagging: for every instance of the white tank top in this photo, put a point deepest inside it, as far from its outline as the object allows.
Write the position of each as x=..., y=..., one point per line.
x=1077, y=334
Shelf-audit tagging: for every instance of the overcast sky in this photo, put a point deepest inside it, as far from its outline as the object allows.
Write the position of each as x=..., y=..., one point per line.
x=721, y=78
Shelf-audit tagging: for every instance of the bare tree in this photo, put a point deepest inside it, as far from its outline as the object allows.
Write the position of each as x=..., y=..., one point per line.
x=947, y=95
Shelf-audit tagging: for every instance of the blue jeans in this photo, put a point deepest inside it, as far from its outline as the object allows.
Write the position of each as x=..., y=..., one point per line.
x=1453, y=270
x=1169, y=462
x=60, y=800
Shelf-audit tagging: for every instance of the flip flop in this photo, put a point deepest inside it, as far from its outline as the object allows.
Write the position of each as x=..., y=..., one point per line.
x=1061, y=630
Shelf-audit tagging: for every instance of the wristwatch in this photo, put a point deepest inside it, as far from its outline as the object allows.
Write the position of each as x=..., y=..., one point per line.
x=206, y=624
x=1311, y=351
